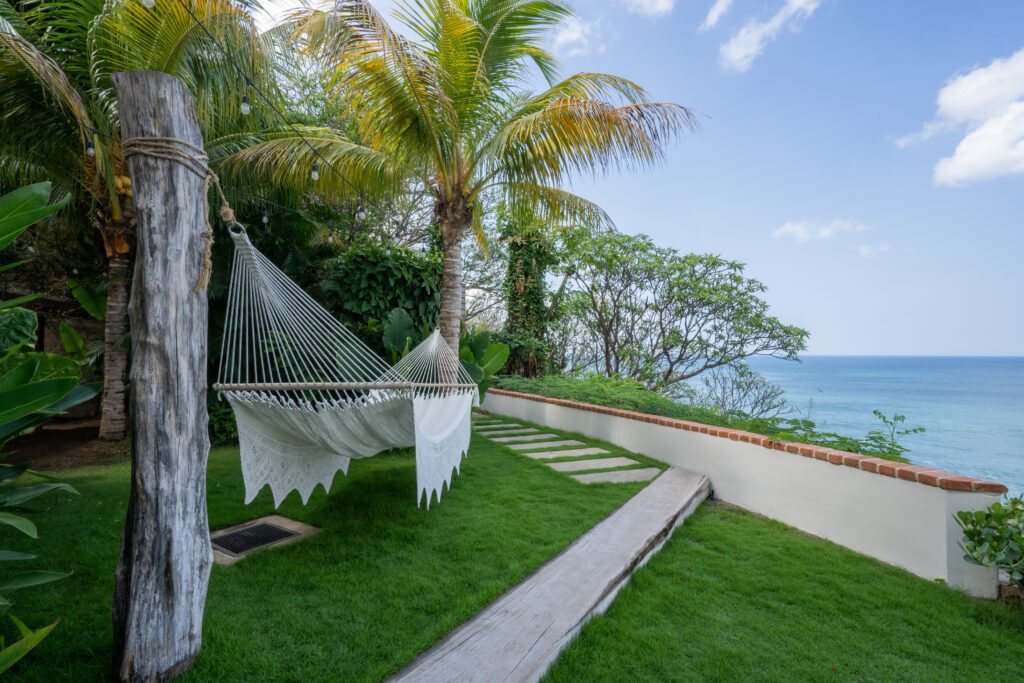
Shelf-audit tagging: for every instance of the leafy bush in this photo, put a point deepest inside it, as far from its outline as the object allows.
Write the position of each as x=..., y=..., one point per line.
x=223, y=429
x=369, y=281
x=629, y=394
x=995, y=537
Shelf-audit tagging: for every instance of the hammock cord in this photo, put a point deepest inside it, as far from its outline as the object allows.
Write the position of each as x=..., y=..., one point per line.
x=195, y=160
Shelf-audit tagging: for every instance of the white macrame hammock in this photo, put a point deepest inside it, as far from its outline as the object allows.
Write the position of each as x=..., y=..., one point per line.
x=309, y=396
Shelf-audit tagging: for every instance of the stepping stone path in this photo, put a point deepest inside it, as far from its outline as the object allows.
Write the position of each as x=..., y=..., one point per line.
x=545, y=444
x=523, y=437
x=506, y=432
x=534, y=445
x=598, y=464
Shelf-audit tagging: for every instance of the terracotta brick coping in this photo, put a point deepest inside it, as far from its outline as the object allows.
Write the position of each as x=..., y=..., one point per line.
x=889, y=468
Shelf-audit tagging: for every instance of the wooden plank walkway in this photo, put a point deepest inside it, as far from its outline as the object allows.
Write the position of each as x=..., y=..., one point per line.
x=518, y=636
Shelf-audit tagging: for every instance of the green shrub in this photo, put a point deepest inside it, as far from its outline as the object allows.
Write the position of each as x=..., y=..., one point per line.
x=369, y=281
x=995, y=537
x=223, y=429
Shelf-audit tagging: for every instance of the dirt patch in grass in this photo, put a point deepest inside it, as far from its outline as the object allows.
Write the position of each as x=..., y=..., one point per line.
x=65, y=446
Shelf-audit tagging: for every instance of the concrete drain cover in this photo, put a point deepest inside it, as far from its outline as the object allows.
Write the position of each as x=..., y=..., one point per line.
x=231, y=545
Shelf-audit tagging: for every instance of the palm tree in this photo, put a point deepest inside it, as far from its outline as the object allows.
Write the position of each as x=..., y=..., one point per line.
x=58, y=115
x=453, y=108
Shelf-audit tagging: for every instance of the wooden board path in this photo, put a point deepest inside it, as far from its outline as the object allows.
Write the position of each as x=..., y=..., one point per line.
x=519, y=636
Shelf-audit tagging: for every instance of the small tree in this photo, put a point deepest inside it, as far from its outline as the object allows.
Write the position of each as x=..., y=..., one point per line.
x=636, y=310
x=737, y=388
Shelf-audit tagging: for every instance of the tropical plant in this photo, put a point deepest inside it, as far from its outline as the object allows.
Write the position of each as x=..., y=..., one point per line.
x=453, y=109
x=58, y=117
x=369, y=281
x=889, y=439
x=33, y=387
x=400, y=335
x=482, y=358
x=995, y=537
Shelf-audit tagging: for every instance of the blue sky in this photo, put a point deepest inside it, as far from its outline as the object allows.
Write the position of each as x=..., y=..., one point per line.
x=865, y=159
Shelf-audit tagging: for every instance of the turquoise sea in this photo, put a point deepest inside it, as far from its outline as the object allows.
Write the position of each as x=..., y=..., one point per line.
x=972, y=408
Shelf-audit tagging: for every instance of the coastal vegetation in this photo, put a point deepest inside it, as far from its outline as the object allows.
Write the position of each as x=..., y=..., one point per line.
x=627, y=394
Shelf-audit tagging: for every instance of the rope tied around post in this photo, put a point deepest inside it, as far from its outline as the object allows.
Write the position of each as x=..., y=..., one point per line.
x=195, y=160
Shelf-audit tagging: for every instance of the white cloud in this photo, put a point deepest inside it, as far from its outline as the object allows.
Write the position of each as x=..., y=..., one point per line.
x=749, y=42
x=717, y=11
x=651, y=8
x=987, y=102
x=806, y=231
x=872, y=250
x=576, y=37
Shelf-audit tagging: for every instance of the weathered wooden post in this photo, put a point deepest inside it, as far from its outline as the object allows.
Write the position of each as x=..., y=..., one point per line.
x=164, y=568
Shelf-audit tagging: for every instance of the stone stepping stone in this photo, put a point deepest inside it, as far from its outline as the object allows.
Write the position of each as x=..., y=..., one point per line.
x=509, y=425
x=594, y=464
x=522, y=437
x=546, y=444
x=567, y=453
x=619, y=477
x=506, y=432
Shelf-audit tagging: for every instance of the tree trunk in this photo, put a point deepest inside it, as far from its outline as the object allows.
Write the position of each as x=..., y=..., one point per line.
x=451, y=284
x=113, y=417
x=164, y=568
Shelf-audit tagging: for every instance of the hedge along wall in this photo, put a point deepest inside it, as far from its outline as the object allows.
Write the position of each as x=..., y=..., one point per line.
x=900, y=514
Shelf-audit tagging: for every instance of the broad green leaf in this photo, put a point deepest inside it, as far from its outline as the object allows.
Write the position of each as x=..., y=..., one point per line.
x=23, y=207
x=23, y=525
x=10, y=655
x=23, y=494
x=11, y=556
x=494, y=359
x=73, y=343
x=93, y=304
x=21, y=373
x=36, y=577
x=12, y=266
x=474, y=371
x=24, y=400
x=17, y=330
x=18, y=301
x=11, y=472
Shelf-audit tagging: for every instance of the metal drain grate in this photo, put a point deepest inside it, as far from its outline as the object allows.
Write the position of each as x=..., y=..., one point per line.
x=251, y=537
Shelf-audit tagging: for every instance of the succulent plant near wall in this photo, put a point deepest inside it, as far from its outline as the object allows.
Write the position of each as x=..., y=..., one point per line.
x=995, y=537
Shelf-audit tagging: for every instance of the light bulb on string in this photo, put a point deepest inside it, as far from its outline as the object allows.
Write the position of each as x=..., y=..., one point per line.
x=149, y=4
x=360, y=214
x=315, y=173
x=246, y=107
x=266, y=218
x=90, y=149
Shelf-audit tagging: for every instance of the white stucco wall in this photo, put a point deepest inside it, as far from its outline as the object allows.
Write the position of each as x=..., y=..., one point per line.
x=903, y=523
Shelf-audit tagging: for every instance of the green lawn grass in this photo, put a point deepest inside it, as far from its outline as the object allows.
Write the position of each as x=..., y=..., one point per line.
x=379, y=584
x=736, y=597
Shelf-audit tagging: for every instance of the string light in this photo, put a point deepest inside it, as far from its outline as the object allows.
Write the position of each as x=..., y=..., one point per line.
x=315, y=174
x=246, y=107
x=360, y=214
x=266, y=218
x=90, y=149
x=149, y=4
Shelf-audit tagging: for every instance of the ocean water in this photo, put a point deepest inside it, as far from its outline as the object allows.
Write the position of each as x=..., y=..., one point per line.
x=972, y=408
